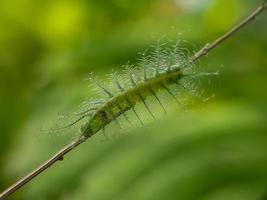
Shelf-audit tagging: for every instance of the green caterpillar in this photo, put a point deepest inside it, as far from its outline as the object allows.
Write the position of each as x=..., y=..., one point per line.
x=127, y=99
x=155, y=72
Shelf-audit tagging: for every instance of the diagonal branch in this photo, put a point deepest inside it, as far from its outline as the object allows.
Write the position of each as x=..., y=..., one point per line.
x=60, y=154
x=210, y=46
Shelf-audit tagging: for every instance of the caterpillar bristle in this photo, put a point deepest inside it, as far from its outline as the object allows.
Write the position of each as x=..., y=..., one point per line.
x=132, y=80
x=185, y=88
x=132, y=107
x=171, y=94
x=157, y=98
x=144, y=102
x=144, y=74
x=59, y=129
x=202, y=74
x=81, y=113
x=102, y=90
x=117, y=80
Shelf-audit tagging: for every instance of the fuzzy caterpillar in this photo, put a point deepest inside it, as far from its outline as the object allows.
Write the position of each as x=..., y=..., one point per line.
x=127, y=99
x=103, y=113
x=154, y=73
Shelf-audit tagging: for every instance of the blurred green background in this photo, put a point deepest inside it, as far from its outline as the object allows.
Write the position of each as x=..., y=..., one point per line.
x=218, y=151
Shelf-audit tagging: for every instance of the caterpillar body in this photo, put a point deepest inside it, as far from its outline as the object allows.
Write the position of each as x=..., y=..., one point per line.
x=127, y=99
x=159, y=71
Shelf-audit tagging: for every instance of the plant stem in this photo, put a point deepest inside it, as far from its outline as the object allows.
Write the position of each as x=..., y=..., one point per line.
x=60, y=154
x=210, y=46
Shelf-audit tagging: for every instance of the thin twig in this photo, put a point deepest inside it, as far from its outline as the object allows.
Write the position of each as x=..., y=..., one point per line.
x=60, y=154
x=210, y=46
